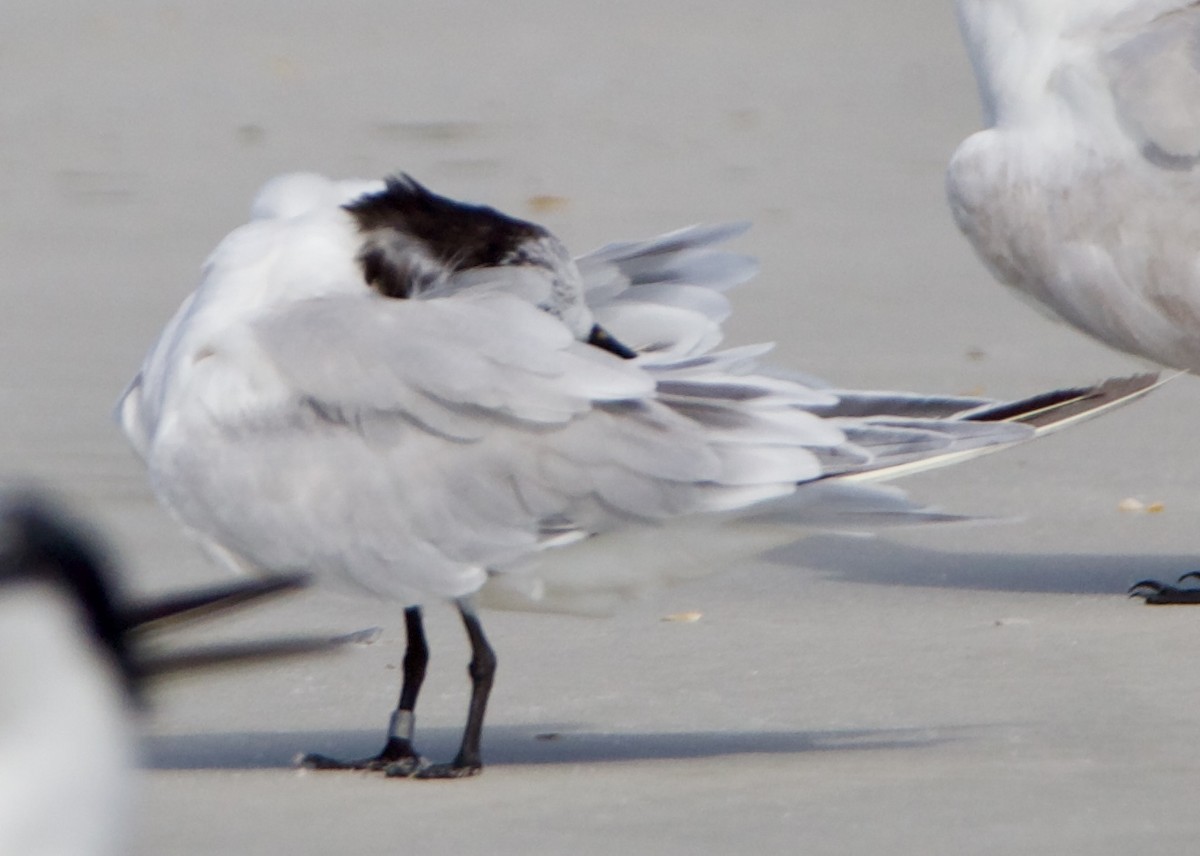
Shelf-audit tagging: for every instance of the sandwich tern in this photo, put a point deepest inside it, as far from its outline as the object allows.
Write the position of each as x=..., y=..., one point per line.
x=429, y=399
x=1083, y=190
x=76, y=659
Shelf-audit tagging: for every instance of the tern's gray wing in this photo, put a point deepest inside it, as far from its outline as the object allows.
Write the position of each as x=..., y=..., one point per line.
x=685, y=255
x=471, y=370
x=410, y=445
x=1153, y=73
x=454, y=366
x=662, y=296
x=681, y=268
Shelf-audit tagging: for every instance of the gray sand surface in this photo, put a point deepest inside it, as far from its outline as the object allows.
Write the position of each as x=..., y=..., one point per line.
x=947, y=690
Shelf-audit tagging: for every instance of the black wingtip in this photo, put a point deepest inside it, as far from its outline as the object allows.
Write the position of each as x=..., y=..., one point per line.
x=1061, y=406
x=41, y=540
x=204, y=602
x=235, y=654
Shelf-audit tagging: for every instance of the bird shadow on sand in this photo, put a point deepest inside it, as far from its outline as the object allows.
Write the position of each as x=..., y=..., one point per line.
x=524, y=745
x=882, y=562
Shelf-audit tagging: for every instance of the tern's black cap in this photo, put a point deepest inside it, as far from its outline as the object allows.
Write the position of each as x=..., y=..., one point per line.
x=39, y=541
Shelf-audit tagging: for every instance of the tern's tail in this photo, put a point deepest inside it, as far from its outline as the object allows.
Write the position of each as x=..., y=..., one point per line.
x=1039, y=414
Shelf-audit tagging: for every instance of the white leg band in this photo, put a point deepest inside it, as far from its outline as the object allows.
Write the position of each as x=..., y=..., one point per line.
x=401, y=725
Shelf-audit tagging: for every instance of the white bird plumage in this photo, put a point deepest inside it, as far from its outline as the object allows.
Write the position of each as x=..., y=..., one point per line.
x=1083, y=191
x=551, y=433
x=67, y=749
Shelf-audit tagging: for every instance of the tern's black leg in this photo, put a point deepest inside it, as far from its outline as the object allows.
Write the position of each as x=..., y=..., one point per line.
x=1161, y=594
x=398, y=756
x=482, y=670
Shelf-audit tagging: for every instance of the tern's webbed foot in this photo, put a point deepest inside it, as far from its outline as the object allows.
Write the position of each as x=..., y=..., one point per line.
x=453, y=770
x=406, y=768
x=462, y=767
x=398, y=754
x=1161, y=594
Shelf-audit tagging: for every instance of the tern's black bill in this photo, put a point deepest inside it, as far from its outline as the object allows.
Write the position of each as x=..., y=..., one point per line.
x=601, y=338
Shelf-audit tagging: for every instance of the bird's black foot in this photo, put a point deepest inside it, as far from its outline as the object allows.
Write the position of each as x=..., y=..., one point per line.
x=1161, y=594
x=454, y=770
x=398, y=754
x=406, y=768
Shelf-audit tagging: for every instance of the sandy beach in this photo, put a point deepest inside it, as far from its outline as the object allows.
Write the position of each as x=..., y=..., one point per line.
x=964, y=689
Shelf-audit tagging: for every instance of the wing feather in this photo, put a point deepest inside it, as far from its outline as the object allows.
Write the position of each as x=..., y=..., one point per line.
x=1154, y=80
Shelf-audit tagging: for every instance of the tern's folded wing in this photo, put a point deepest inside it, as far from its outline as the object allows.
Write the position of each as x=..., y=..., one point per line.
x=453, y=365
x=1153, y=76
